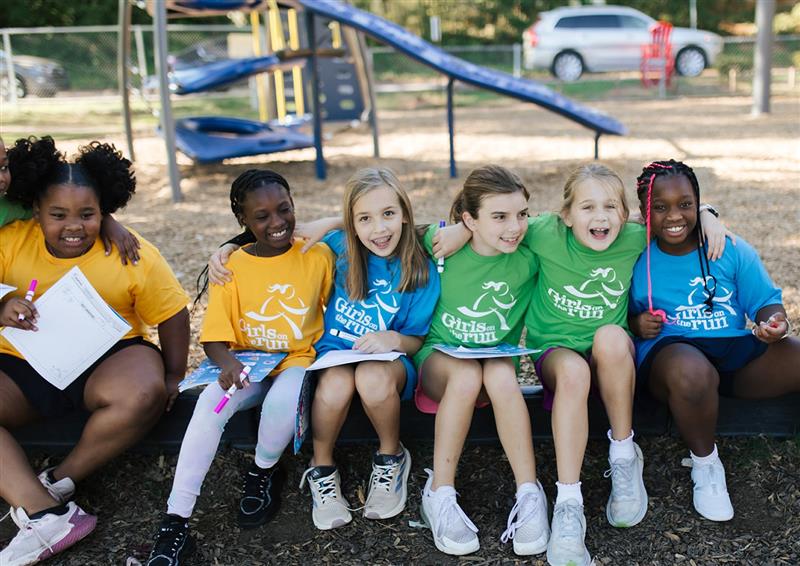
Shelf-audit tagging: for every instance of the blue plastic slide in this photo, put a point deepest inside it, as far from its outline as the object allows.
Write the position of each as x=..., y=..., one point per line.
x=455, y=68
x=221, y=73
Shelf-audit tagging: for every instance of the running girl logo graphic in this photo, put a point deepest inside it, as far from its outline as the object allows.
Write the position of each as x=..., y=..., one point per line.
x=375, y=313
x=494, y=303
x=696, y=315
x=582, y=302
x=281, y=304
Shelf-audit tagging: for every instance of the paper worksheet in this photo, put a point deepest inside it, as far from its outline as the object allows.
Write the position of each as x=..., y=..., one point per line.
x=5, y=290
x=76, y=327
x=344, y=357
x=261, y=364
x=499, y=351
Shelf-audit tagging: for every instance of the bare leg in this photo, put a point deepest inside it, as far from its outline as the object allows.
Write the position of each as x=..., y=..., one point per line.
x=613, y=366
x=568, y=375
x=126, y=395
x=682, y=377
x=511, y=417
x=455, y=384
x=18, y=483
x=379, y=384
x=335, y=388
x=774, y=373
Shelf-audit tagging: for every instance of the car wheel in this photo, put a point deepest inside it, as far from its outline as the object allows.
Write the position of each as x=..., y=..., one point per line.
x=19, y=84
x=690, y=61
x=567, y=66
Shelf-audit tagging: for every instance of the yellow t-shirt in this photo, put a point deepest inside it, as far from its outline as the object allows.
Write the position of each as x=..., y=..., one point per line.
x=273, y=304
x=145, y=295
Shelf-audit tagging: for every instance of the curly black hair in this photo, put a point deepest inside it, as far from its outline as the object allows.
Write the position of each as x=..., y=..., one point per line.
x=36, y=164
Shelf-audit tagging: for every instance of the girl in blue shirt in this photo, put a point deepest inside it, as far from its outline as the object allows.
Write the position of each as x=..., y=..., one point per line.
x=690, y=316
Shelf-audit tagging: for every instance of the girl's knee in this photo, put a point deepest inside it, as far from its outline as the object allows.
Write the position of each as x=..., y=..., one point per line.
x=147, y=396
x=501, y=386
x=334, y=389
x=692, y=384
x=574, y=375
x=375, y=384
x=611, y=342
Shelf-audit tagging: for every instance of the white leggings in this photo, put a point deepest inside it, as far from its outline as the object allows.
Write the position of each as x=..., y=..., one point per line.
x=278, y=398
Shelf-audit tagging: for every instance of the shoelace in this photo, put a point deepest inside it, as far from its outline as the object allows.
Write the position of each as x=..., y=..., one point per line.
x=326, y=487
x=168, y=540
x=621, y=474
x=450, y=506
x=256, y=484
x=382, y=476
x=570, y=523
x=27, y=524
x=517, y=518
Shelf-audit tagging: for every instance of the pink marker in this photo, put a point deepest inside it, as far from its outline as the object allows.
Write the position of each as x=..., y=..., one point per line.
x=231, y=390
x=29, y=296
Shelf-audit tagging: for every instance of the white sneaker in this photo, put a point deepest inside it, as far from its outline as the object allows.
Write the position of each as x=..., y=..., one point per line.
x=329, y=507
x=566, y=546
x=527, y=522
x=61, y=490
x=627, y=503
x=453, y=532
x=711, y=497
x=388, y=485
x=39, y=539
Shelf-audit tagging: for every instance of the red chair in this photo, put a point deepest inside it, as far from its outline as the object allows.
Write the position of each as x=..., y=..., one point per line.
x=657, y=55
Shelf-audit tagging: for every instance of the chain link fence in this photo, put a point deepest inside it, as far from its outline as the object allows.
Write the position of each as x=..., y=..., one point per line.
x=82, y=61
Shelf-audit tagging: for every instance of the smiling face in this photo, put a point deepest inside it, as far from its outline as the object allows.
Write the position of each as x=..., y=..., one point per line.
x=596, y=215
x=70, y=218
x=5, y=175
x=673, y=214
x=378, y=221
x=501, y=223
x=268, y=212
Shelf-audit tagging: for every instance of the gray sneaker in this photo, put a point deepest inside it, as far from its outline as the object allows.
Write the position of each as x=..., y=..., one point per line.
x=388, y=485
x=453, y=532
x=627, y=503
x=566, y=546
x=329, y=507
x=527, y=522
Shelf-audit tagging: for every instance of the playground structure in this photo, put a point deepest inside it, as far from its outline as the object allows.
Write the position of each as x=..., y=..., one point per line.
x=203, y=136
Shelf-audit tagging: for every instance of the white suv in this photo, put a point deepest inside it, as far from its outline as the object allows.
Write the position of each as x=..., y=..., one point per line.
x=569, y=41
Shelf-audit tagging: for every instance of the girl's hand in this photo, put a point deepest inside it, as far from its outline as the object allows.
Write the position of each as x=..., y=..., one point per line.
x=217, y=273
x=450, y=239
x=172, y=382
x=315, y=230
x=230, y=375
x=114, y=233
x=646, y=325
x=773, y=329
x=716, y=232
x=15, y=306
x=378, y=342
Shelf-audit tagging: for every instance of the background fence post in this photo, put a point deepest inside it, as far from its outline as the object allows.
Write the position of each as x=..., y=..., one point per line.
x=10, y=75
x=517, y=53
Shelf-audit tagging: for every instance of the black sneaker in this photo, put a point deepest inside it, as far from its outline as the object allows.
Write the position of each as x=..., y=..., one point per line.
x=173, y=543
x=261, y=496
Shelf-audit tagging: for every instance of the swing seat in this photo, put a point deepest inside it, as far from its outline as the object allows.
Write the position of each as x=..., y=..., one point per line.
x=210, y=139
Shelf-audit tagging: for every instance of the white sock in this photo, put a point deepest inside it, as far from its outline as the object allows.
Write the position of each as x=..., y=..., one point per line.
x=528, y=486
x=569, y=491
x=620, y=449
x=704, y=460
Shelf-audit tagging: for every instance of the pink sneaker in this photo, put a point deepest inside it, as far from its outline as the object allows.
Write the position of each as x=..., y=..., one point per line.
x=39, y=539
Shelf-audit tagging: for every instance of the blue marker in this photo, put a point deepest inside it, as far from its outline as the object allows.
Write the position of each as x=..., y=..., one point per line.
x=440, y=261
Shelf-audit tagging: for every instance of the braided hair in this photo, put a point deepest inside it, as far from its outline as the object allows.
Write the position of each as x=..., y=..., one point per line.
x=36, y=165
x=644, y=190
x=245, y=183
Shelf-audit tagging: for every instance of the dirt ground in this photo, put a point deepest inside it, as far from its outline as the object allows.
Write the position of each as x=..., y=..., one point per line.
x=749, y=168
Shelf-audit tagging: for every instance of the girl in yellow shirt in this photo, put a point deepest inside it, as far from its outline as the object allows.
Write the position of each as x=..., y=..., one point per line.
x=274, y=303
x=127, y=389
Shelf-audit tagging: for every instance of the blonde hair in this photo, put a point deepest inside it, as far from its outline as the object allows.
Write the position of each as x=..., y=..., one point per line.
x=600, y=174
x=409, y=251
x=482, y=182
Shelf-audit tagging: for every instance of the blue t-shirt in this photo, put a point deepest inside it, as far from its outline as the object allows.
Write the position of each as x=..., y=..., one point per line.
x=384, y=308
x=743, y=288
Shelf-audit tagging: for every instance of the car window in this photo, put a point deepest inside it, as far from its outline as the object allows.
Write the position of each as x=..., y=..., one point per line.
x=632, y=22
x=584, y=22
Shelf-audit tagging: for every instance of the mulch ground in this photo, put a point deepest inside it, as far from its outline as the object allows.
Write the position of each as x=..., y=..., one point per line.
x=748, y=168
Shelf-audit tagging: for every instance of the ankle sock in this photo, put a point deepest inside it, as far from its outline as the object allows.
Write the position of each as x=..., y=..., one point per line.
x=620, y=449
x=704, y=460
x=57, y=510
x=569, y=491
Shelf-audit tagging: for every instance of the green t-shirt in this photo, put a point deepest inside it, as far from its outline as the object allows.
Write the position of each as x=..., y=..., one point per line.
x=579, y=289
x=10, y=211
x=483, y=299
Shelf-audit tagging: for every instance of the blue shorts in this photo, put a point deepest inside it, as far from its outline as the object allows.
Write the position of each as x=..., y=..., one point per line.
x=727, y=355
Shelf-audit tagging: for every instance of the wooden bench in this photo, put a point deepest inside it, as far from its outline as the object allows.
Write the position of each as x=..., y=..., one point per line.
x=775, y=417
